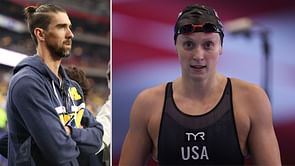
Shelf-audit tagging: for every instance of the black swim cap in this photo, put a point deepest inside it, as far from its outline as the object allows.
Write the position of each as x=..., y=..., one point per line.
x=198, y=15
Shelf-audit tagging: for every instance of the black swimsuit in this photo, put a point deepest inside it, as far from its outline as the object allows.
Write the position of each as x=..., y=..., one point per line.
x=206, y=139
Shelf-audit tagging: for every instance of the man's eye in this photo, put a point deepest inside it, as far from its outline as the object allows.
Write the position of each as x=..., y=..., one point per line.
x=188, y=45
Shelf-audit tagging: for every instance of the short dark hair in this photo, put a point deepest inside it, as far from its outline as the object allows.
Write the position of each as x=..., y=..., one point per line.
x=80, y=77
x=39, y=17
x=198, y=14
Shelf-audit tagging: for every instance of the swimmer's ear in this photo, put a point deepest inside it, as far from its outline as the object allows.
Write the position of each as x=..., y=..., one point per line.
x=220, y=50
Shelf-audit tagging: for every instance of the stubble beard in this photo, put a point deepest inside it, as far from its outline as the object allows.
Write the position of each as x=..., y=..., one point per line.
x=57, y=51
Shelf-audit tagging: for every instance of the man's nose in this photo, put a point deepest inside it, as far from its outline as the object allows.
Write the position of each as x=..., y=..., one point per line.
x=69, y=34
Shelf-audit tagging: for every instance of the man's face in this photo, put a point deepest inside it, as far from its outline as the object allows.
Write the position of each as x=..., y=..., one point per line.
x=198, y=54
x=59, y=36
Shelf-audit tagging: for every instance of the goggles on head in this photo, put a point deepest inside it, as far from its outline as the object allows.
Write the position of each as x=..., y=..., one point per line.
x=190, y=28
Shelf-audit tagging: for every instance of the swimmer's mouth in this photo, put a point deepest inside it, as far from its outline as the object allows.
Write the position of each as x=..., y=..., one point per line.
x=198, y=66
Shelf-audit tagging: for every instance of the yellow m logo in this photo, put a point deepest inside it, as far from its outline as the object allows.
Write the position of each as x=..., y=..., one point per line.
x=74, y=93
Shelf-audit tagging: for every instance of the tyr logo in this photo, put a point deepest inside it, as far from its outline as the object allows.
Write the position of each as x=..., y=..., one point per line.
x=194, y=136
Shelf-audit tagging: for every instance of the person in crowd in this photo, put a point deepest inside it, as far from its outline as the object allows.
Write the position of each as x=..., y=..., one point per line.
x=104, y=116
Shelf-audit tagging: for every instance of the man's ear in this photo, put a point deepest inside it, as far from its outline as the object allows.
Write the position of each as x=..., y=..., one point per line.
x=40, y=34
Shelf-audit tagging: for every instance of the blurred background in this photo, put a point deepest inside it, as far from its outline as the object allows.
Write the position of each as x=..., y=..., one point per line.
x=90, y=50
x=259, y=49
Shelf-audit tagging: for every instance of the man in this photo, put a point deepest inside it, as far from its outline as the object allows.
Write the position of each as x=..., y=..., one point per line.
x=202, y=117
x=48, y=124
